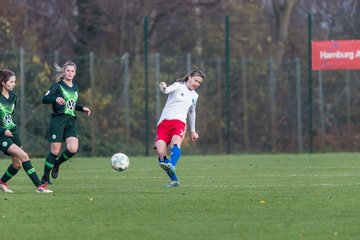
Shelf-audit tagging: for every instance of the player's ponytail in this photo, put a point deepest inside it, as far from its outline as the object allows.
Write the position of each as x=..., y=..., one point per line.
x=60, y=70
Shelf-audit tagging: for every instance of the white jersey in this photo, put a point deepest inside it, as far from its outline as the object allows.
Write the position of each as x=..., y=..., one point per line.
x=180, y=103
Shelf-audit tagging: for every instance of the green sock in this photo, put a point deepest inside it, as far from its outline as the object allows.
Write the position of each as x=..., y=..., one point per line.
x=30, y=171
x=10, y=172
x=66, y=155
x=49, y=164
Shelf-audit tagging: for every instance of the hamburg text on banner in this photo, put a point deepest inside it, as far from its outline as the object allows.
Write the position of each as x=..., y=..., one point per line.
x=336, y=55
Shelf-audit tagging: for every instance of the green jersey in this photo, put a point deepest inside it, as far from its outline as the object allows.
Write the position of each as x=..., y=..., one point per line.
x=69, y=94
x=7, y=107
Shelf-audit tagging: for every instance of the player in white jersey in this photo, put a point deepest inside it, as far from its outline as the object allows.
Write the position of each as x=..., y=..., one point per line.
x=171, y=127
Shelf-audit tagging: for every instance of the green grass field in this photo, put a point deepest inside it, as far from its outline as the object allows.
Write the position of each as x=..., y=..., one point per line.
x=221, y=197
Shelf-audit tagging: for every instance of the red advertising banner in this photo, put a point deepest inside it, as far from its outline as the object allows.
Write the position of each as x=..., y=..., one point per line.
x=336, y=55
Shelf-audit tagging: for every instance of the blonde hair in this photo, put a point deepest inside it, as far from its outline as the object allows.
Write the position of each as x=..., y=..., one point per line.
x=61, y=70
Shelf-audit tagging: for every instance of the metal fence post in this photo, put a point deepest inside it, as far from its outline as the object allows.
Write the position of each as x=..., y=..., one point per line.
x=93, y=91
x=125, y=59
x=22, y=96
x=272, y=89
x=228, y=96
x=298, y=101
x=146, y=103
x=157, y=82
x=321, y=110
x=245, y=103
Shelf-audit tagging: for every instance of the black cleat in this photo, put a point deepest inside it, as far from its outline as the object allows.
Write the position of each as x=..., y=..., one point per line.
x=45, y=180
x=55, y=171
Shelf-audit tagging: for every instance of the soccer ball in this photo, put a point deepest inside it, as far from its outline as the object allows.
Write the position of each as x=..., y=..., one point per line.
x=120, y=162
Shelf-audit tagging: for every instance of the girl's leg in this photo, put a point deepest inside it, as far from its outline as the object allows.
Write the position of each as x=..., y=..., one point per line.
x=175, y=149
x=20, y=156
x=161, y=149
x=72, y=144
x=11, y=171
x=50, y=160
x=176, y=141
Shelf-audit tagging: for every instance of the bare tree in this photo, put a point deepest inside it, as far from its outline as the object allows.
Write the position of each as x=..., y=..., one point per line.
x=283, y=10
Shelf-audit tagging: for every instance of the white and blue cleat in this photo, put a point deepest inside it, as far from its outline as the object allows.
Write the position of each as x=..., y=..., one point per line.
x=172, y=184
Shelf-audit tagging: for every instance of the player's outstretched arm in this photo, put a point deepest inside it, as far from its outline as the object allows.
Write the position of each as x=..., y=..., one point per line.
x=87, y=110
x=168, y=89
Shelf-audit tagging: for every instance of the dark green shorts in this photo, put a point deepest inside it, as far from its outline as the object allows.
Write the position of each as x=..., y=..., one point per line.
x=62, y=127
x=5, y=142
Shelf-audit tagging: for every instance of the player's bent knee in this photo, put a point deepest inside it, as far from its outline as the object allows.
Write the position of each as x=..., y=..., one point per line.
x=161, y=153
x=55, y=151
x=17, y=165
x=73, y=150
x=24, y=157
x=72, y=147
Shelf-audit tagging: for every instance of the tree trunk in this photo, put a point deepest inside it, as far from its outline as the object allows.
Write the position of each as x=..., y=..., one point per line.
x=282, y=11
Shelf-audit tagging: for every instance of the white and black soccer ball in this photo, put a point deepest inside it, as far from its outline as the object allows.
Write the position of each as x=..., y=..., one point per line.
x=120, y=162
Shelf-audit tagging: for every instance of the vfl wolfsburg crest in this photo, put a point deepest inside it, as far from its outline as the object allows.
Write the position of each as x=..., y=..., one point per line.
x=7, y=119
x=70, y=104
x=6, y=111
x=8, y=122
